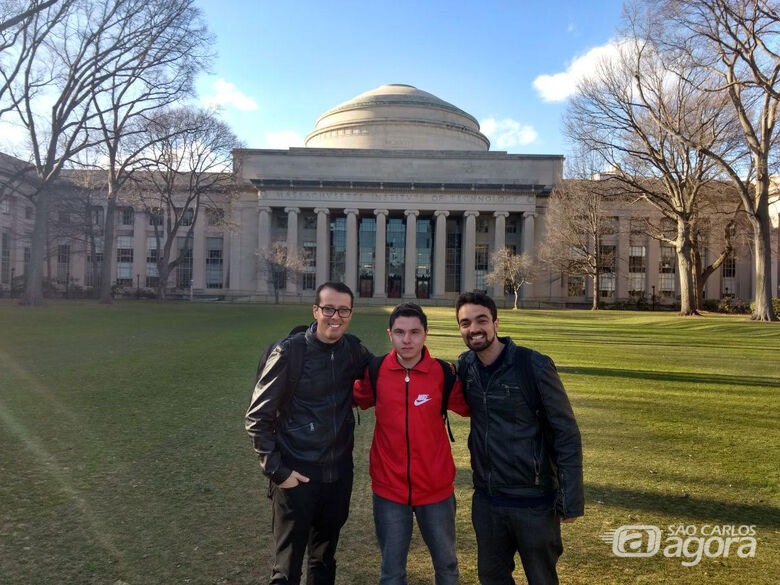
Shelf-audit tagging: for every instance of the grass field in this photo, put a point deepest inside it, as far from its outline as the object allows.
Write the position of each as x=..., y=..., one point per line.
x=123, y=458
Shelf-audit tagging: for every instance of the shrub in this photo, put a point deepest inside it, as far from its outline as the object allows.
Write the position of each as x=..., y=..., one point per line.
x=775, y=305
x=733, y=306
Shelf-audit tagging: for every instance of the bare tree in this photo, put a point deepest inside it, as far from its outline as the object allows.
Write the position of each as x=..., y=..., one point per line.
x=510, y=270
x=577, y=222
x=615, y=114
x=23, y=28
x=278, y=262
x=733, y=44
x=189, y=160
x=149, y=77
x=62, y=71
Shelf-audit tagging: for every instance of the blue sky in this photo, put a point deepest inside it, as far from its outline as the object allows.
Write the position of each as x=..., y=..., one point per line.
x=509, y=64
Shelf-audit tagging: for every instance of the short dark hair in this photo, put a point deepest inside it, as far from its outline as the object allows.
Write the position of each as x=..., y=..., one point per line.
x=338, y=287
x=409, y=310
x=476, y=298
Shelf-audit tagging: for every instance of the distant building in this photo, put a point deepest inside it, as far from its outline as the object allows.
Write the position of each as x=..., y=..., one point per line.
x=396, y=193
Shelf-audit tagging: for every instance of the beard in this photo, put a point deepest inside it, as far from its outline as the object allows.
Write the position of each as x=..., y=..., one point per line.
x=479, y=345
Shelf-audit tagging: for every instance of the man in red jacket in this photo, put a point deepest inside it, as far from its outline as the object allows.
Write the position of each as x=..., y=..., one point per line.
x=411, y=466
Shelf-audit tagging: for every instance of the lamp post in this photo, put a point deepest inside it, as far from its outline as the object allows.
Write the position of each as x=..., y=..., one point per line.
x=13, y=269
x=653, y=287
x=137, y=286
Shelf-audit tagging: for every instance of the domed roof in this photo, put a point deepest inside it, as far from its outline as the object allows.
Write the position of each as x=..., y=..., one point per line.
x=397, y=117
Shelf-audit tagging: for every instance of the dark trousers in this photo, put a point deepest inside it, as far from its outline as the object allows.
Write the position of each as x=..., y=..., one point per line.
x=501, y=531
x=308, y=516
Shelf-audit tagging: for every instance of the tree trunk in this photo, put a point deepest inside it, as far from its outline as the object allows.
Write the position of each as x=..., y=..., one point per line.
x=515, y=306
x=762, y=249
x=698, y=283
x=108, y=249
x=685, y=270
x=33, y=290
x=595, y=292
x=162, y=280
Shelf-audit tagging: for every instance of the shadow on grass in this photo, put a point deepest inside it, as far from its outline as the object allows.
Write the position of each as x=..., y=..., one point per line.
x=719, y=379
x=705, y=510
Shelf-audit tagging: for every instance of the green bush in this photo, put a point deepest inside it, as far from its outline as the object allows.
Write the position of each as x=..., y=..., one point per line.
x=733, y=306
x=775, y=305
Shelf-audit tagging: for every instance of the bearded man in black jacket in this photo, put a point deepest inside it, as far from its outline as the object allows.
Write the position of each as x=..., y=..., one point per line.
x=526, y=452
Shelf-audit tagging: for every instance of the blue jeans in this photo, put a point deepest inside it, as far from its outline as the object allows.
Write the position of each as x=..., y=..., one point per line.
x=502, y=531
x=394, y=532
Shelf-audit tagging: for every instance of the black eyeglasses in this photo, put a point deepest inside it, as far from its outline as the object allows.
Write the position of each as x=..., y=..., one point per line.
x=330, y=311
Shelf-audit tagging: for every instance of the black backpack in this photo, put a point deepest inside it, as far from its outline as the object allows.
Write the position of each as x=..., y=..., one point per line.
x=447, y=368
x=297, y=338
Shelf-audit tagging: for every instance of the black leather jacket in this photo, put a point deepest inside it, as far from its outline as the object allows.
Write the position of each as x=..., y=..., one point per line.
x=523, y=442
x=313, y=432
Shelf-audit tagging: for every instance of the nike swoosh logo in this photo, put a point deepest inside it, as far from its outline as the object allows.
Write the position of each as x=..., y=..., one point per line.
x=422, y=399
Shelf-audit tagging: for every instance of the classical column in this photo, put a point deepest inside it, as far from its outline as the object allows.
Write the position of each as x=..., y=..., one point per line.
x=528, y=247
x=263, y=245
x=380, y=276
x=235, y=251
x=469, y=250
x=350, y=270
x=410, y=258
x=292, y=246
x=440, y=253
x=323, y=245
x=499, y=242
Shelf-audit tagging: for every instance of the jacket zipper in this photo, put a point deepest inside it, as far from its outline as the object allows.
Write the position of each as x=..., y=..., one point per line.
x=408, y=445
x=333, y=407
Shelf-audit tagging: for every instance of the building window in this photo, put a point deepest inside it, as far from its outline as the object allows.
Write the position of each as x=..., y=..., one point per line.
x=5, y=206
x=124, y=260
x=576, y=285
x=152, y=255
x=483, y=224
x=511, y=225
x=214, y=262
x=215, y=216
x=366, y=256
x=5, y=257
x=28, y=212
x=63, y=263
x=637, y=267
x=309, y=279
x=666, y=272
x=96, y=215
x=422, y=285
x=186, y=216
x=309, y=221
x=281, y=220
x=396, y=256
x=184, y=269
x=607, y=272
x=126, y=216
x=155, y=216
x=338, y=246
x=729, y=274
x=27, y=256
x=480, y=266
x=453, y=255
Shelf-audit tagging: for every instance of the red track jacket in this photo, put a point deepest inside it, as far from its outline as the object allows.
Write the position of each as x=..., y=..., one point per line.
x=411, y=460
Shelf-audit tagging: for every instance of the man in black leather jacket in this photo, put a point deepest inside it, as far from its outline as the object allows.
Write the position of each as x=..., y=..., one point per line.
x=526, y=452
x=304, y=438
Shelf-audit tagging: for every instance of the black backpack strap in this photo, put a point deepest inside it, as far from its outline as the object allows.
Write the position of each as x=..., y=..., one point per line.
x=297, y=353
x=373, y=371
x=448, y=369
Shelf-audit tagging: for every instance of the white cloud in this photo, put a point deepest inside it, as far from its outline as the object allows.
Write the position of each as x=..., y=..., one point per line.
x=507, y=133
x=560, y=86
x=227, y=95
x=283, y=139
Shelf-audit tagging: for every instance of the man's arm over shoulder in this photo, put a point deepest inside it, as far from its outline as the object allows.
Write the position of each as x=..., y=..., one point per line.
x=457, y=402
x=363, y=392
x=566, y=440
x=269, y=395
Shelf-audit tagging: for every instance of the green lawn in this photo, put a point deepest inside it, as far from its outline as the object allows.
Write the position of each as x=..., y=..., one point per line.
x=123, y=457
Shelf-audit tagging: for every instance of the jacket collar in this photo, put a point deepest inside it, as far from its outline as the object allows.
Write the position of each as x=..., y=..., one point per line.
x=422, y=366
x=311, y=338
